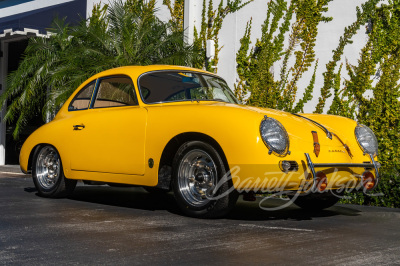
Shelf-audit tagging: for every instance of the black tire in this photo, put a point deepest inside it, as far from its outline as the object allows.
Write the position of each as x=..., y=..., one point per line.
x=50, y=180
x=209, y=170
x=317, y=201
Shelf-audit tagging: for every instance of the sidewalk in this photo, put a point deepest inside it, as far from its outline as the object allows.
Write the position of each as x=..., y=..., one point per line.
x=10, y=169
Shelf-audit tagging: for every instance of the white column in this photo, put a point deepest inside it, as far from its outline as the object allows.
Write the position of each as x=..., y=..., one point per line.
x=3, y=77
x=189, y=19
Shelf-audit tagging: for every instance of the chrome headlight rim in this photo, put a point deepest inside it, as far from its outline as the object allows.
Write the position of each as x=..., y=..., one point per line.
x=372, y=134
x=272, y=149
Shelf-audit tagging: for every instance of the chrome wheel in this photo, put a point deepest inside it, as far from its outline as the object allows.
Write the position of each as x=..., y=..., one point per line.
x=197, y=176
x=48, y=167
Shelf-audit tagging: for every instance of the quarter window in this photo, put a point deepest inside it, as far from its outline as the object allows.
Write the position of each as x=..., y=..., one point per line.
x=115, y=91
x=82, y=99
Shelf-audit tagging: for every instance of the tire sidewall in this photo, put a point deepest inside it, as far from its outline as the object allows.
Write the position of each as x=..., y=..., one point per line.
x=46, y=192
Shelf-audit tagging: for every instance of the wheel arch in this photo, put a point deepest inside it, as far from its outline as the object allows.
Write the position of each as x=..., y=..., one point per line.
x=172, y=147
x=31, y=155
x=34, y=150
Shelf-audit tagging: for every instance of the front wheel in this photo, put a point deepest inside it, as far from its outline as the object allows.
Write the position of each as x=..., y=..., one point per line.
x=48, y=175
x=201, y=185
x=317, y=201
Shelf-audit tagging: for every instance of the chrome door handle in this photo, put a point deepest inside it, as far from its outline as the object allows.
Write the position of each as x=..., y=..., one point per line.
x=78, y=127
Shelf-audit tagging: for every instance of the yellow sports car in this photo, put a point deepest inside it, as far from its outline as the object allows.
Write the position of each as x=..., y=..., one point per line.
x=181, y=129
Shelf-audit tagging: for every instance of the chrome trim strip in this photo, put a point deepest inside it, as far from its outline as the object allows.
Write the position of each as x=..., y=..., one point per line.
x=328, y=133
x=358, y=165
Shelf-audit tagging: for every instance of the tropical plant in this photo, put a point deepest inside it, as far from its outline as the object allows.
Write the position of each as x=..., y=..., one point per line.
x=120, y=34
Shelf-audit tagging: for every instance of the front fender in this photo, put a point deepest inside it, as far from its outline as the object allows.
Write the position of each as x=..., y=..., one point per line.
x=52, y=133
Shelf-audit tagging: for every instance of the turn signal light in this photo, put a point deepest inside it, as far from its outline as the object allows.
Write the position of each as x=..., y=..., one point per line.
x=368, y=180
x=322, y=181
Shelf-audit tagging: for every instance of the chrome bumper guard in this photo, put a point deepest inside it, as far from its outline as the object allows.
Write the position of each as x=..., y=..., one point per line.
x=374, y=165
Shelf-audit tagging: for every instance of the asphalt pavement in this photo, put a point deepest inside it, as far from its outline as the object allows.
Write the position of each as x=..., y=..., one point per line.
x=101, y=225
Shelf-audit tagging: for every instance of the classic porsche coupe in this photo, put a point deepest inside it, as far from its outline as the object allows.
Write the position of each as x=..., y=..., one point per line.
x=181, y=129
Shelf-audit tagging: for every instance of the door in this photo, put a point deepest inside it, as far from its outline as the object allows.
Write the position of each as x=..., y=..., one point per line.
x=109, y=136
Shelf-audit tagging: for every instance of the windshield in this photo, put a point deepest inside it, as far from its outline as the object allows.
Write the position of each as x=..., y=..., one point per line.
x=173, y=86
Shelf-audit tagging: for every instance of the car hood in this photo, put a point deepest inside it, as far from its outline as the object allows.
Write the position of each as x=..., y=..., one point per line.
x=299, y=128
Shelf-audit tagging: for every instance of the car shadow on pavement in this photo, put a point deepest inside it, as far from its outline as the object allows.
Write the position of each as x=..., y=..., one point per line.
x=251, y=211
x=30, y=189
x=127, y=197
x=138, y=198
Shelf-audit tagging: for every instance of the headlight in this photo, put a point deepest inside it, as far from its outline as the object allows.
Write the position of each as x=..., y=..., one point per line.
x=274, y=136
x=367, y=140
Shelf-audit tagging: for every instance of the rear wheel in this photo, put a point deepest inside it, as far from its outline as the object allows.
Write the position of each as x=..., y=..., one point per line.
x=48, y=175
x=198, y=183
x=317, y=201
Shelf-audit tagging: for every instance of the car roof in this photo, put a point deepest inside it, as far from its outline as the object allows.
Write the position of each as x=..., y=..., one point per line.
x=138, y=70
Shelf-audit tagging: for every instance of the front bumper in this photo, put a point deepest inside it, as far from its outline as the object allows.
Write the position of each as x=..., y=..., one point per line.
x=312, y=166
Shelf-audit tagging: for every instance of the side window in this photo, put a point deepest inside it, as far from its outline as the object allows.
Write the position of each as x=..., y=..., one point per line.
x=115, y=91
x=81, y=100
